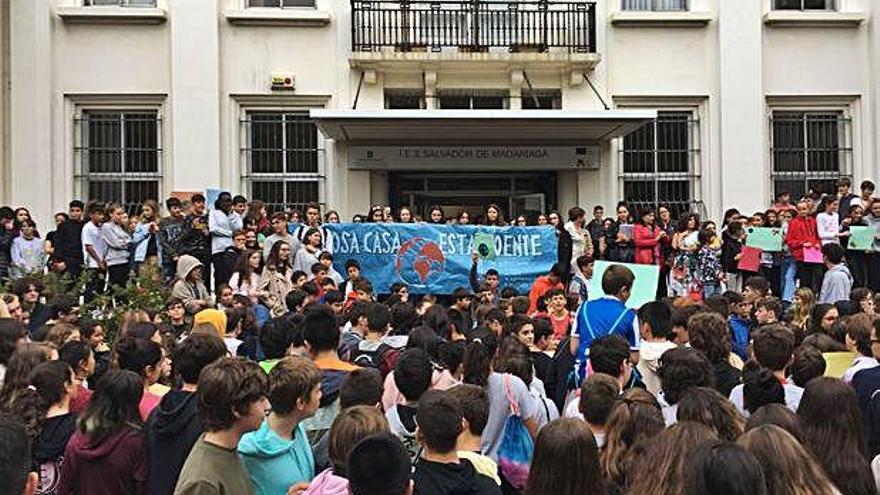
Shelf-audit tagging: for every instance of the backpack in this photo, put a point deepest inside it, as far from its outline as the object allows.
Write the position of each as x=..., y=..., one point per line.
x=517, y=447
x=383, y=358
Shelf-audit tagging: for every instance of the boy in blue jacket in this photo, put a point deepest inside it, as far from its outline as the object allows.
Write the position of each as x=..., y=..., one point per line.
x=278, y=456
x=739, y=323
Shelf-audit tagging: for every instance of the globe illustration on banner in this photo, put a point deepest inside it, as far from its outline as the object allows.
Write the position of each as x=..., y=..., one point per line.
x=420, y=261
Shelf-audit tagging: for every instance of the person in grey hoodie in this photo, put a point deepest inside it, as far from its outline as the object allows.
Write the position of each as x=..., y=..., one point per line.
x=837, y=283
x=118, y=242
x=222, y=223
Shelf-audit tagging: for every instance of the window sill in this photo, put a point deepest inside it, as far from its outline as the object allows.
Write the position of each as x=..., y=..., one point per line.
x=634, y=18
x=256, y=16
x=783, y=18
x=113, y=15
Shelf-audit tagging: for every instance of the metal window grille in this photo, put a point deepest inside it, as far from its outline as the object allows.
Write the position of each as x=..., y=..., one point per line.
x=655, y=5
x=805, y=4
x=282, y=156
x=118, y=156
x=281, y=3
x=810, y=150
x=473, y=99
x=659, y=164
x=120, y=3
x=404, y=99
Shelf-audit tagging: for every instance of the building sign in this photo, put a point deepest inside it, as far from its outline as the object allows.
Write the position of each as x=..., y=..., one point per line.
x=474, y=157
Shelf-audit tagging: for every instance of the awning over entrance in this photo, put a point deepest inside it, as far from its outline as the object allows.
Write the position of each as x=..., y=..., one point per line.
x=478, y=127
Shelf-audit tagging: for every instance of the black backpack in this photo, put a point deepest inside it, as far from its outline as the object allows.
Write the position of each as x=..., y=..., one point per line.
x=383, y=358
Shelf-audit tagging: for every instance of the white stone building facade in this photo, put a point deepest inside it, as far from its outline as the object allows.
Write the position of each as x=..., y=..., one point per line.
x=131, y=99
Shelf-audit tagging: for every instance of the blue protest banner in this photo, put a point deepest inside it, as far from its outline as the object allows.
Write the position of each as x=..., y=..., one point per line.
x=436, y=259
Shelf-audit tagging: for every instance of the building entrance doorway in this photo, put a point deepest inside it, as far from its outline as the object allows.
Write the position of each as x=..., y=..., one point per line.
x=529, y=194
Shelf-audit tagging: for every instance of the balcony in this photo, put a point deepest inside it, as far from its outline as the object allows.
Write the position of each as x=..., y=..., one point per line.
x=473, y=33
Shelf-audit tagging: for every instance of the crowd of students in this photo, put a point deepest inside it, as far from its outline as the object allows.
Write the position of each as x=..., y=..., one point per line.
x=268, y=372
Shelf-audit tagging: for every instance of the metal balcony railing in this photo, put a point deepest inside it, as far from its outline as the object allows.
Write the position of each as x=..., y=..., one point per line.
x=473, y=26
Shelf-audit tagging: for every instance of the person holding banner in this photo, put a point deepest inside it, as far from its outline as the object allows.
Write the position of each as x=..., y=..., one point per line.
x=856, y=257
x=605, y=316
x=802, y=233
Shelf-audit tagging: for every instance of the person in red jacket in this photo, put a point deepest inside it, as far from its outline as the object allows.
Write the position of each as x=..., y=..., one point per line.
x=552, y=280
x=647, y=237
x=802, y=233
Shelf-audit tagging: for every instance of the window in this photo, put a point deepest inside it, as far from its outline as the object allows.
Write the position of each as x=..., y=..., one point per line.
x=655, y=5
x=281, y=3
x=542, y=99
x=809, y=150
x=120, y=3
x=282, y=159
x=804, y=4
x=118, y=156
x=473, y=99
x=659, y=163
x=404, y=99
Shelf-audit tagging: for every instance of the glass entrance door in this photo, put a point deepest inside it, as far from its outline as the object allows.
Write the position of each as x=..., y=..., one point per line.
x=516, y=194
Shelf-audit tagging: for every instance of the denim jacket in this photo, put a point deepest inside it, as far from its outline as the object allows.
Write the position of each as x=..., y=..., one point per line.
x=140, y=239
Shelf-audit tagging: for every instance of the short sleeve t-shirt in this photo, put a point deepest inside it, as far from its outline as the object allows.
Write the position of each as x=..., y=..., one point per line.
x=499, y=409
x=91, y=236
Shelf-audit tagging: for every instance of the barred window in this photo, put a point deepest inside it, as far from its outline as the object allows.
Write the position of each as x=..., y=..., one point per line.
x=659, y=163
x=804, y=4
x=118, y=156
x=120, y=3
x=655, y=5
x=281, y=3
x=282, y=156
x=810, y=150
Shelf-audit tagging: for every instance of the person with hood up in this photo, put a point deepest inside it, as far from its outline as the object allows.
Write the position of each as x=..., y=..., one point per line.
x=189, y=286
x=173, y=427
x=348, y=429
x=106, y=454
x=440, y=471
x=837, y=282
x=654, y=328
x=44, y=409
x=277, y=456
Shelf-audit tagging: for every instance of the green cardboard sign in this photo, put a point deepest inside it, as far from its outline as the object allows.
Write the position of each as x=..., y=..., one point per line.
x=484, y=245
x=644, y=289
x=765, y=238
x=861, y=238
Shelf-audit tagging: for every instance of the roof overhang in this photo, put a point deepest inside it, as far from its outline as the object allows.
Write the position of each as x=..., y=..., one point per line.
x=478, y=127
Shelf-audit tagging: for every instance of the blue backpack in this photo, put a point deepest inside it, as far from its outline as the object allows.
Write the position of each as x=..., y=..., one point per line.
x=517, y=447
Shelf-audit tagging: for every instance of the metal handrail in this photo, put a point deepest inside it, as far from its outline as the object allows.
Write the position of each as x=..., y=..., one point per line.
x=473, y=26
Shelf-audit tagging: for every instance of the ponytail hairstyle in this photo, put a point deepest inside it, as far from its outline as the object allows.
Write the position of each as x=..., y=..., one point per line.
x=49, y=384
x=635, y=419
x=478, y=357
x=19, y=368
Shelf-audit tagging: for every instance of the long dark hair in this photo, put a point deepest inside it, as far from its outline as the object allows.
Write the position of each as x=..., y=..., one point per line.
x=11, y=331
x=114, y=405
x=566, y=461
x=243, y=266
x=309, y=232
x=726, y=468
x=274, y=261
x=478, y=357
x=48, y=386
x=829, y=412
x=685, y=219
x=817, y=315
x=19, y=368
